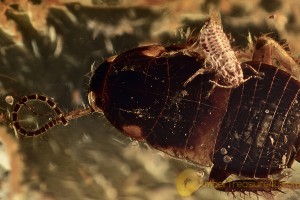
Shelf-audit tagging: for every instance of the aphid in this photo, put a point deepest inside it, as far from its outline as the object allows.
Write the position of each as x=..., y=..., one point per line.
x=249, y=130
x=220, y=58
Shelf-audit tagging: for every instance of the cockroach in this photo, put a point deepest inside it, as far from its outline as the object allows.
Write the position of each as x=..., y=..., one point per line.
x=250, y=130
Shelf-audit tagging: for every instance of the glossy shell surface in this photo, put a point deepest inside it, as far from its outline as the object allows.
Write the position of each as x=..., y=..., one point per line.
x=260, y=131
x=251, y=130
x=141, y=93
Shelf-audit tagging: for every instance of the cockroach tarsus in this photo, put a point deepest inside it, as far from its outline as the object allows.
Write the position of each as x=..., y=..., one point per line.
x=226, y=129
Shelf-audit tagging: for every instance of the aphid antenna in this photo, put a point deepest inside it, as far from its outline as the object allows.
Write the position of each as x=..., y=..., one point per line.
x=215, y=15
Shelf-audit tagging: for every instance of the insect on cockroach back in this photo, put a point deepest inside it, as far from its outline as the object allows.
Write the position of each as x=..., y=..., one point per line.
x=213, y=43
x=245, y=126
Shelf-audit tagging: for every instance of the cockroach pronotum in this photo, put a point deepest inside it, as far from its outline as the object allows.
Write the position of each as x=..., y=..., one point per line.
x=250, y=129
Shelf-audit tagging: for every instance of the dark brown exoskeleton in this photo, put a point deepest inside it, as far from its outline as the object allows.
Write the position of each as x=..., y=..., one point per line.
x=250, y=130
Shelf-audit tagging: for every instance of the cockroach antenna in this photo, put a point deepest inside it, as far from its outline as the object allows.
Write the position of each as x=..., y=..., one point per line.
x=60, y=119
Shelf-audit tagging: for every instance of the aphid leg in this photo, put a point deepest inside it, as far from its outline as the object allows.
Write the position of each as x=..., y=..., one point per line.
x=250, y=77
x=215, y=84
x=219, y=85
x=268, y=50
x=210, y=91
x=200, y=71
x=256, y=73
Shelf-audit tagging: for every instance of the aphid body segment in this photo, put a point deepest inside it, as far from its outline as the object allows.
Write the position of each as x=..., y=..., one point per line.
x=220, y=58
x=219, y=55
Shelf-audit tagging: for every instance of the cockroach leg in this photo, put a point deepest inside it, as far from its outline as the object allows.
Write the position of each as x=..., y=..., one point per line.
x=262, y=51
x=267, y=50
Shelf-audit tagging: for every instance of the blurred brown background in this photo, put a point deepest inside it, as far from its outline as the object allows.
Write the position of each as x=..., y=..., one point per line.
x=48, y=47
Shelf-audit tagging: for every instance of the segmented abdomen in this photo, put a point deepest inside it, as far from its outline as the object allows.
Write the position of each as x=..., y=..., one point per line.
x=259, y=134
x=219, y=55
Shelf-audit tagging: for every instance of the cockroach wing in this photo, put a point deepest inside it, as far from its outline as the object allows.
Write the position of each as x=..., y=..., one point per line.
x=141, y=93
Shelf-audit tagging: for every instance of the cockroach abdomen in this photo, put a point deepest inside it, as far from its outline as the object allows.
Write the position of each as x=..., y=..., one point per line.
x=260, y=129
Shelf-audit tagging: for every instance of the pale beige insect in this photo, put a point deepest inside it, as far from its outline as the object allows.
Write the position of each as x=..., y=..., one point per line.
x=220, y=58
